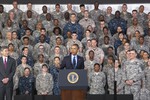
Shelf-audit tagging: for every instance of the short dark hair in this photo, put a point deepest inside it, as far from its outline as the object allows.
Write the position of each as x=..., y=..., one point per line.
x=45, y=65
x=76, y=45
x=25, y=37
x=134, y=11
x=10, y=44
x=24, y=48
x=82, y=5
x=97, y=64
x=56, y=57
x=58, y=29
x=27, y=68
x=57, y=4
x=23, y=56
x=91, y=51
x=40, y=55
x=134, y=50
x=4, y=47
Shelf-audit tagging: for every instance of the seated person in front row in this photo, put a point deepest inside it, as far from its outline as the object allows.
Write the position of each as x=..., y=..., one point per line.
x=25, y=82
x=97, y=80
x=44, y=82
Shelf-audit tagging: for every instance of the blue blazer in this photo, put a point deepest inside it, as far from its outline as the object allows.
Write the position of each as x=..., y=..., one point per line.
x=67, y=63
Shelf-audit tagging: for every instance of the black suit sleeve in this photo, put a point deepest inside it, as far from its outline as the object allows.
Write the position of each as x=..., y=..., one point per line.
x=63, y=63
x=82, y=63
x=13, y=69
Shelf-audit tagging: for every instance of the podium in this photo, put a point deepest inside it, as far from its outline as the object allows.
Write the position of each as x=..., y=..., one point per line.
x=73, y=84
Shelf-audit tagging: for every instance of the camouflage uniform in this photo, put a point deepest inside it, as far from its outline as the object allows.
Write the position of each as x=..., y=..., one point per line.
x=44, y=84
x=118, y=78
x=147, y=40
x=42, y=17
x=132, y=71
x=37, y=68
x=57, y=15
x=71, y=42
x=48, y=25
x=86, y=22
x=95, y=14
x=109, y=17
x=89, y=66
x=97, y=83
x=7, y=29
x=53, y=39
x=98, y=52
x=46, y=46
x=125, y=15
x=131, y=30
x=19, y=73
x=63, y=50
x=147, y=77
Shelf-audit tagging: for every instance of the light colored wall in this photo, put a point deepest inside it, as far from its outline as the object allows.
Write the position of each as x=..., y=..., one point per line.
x=51, y=8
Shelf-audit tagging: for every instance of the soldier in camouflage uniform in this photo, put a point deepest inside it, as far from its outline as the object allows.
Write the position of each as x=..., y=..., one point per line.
x=146, y=81
x=108, y=65
x=115, y=74
x=42, y=16
x=132, y=75
x=99, y=54
x=9, y=40
x=141, y=16
x=54, y=70
x=60, y=44
x=57, y=14
x=40, y=50
x=44, y=82
x=134, y=27
x=42, y=42
x=125, y=14
x=29, y=7
x=109, y=16
x=12, y=52
x=56, y=33
x=97, y=80
x=7, y=28
x=20, y=71
x=31, y=20
x=3, y=15
x=56, y=53
x=96, y=12
x=74, y=40
x=122, y=54
x=48, y=23
x=38, y=65
x=89, y=64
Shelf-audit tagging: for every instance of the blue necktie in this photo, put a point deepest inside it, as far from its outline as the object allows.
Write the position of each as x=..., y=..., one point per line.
x=74, y=62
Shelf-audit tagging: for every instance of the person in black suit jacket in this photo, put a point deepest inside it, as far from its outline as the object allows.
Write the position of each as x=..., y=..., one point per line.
x=73, y=61
x=7, y=70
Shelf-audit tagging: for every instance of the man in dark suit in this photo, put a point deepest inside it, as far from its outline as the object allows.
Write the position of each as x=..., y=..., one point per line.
x=7, y=70
x=73, y=61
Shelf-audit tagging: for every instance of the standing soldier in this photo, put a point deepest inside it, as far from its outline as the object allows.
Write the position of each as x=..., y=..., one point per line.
x=115, y=74
x=132, y=75
x=44, y=82
x=89, y=64
x=97, y=80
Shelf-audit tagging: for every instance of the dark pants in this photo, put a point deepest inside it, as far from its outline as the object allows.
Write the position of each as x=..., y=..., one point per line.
x=6, y=91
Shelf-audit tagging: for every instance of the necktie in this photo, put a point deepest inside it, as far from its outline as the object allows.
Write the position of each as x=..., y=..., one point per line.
x=5, y=63
x=74, y=62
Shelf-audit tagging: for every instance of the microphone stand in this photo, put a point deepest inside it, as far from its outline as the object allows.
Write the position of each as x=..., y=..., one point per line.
x=115, y=87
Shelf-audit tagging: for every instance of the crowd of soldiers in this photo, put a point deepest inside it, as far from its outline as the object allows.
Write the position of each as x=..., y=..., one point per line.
x=115, y=47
